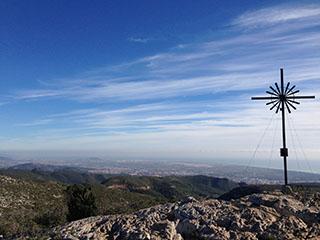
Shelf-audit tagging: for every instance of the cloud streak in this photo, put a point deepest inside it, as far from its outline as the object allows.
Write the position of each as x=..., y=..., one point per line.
x=139, y=39
x=278, y=15
x=242, y=62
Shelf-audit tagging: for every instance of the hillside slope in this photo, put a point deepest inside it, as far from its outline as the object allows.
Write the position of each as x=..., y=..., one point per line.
x=65, y=175
x=30, y=204
x=172, y=187
x=272, y=215
x=25, y=205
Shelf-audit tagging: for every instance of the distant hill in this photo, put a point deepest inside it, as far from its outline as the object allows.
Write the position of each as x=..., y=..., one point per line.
x=238, y=192
x=169, y=187
x=172, y=187
x=4, y=161
x=2, y=158
x=44, y=172
x=45, y=167
x=250, y=175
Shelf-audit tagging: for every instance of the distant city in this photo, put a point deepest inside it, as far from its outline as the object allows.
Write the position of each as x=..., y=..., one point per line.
x=247, y=174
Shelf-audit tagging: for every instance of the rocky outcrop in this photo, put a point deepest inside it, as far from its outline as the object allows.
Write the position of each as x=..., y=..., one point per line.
x=271, y=215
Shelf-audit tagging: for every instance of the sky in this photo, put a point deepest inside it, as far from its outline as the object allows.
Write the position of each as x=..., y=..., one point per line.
x=158, y=80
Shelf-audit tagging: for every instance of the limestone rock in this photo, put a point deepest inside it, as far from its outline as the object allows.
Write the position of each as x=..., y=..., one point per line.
x=273, y=215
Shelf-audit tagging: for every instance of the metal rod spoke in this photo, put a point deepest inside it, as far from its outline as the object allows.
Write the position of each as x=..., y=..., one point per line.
x=300, y=97
x=291, y=89
x=288, y=107
x=264, y=98
x=274, y=90
x=268, y=103
x=278, y=102
x=277, y=87
x=291, y=105
x=287, y=88
x=271, y=93
x=293, y=92
x=292, y=101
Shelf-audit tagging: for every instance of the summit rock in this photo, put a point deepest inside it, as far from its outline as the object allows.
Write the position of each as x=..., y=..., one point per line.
x=268, y=215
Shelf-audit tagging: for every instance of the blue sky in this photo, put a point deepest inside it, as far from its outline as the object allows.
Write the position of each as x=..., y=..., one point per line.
x=156, y=79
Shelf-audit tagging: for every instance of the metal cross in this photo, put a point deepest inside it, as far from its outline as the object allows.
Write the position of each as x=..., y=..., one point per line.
x=282, y=98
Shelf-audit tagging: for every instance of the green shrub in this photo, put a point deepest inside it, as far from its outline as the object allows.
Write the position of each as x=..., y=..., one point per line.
x=50, y=218
x=81, y=202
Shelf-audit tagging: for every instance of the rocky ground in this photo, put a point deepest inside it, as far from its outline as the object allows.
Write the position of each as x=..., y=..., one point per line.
x=270, y=215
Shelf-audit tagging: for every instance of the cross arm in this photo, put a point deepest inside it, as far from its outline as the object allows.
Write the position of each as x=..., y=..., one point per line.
x=300, y=97
x=264, y=98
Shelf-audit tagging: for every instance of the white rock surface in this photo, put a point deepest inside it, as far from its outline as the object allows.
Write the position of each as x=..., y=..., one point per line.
x=259, y=216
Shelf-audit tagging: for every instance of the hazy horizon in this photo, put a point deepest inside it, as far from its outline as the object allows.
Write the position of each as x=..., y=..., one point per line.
x=94, y=160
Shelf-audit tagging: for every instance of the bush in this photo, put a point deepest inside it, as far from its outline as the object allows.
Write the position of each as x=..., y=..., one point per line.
x=50, y=218
x=81, y=202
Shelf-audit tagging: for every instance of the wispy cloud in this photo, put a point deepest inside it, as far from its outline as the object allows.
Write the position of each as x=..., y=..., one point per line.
x=242, y=61
x=36, y=123
x=139, y=39
x=278, y=15
x=3, y=103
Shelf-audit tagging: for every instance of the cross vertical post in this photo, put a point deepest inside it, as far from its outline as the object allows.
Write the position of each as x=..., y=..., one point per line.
x=281, y=99
x=284, y=150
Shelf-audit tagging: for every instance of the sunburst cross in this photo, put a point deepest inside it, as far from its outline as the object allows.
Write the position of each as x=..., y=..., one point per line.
x=280, y=99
